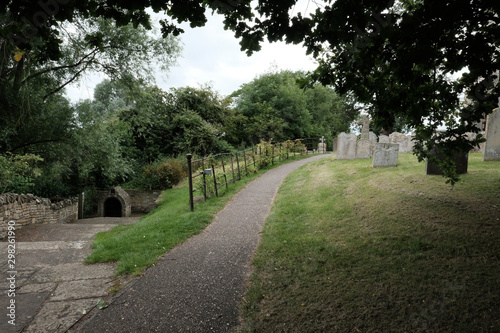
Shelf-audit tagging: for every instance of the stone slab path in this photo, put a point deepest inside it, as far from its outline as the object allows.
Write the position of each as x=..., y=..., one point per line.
x=54, y=289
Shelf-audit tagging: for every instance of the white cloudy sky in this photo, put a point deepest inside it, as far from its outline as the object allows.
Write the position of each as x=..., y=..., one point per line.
x=212, y=56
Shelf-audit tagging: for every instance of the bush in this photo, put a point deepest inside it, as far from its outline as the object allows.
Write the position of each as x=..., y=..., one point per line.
x=162, y=175
x=17, y=172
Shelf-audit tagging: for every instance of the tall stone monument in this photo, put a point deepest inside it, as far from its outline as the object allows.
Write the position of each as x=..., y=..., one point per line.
x=364, y=145
x=492, y=145
x=365, y=127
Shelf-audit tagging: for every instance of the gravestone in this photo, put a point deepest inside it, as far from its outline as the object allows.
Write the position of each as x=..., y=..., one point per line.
x=461, y=160
x=322, y=145
x=385, y=155
x=365, y=127
x=492, y=145
x=383, y=139
x=405, y=141
x=363, y=149
x=346, y=146
x=373, y=138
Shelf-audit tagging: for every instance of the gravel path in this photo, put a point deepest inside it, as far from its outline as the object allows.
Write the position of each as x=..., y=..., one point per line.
x=197, y=286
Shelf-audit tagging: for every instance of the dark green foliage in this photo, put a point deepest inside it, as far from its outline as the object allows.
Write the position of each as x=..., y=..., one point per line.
x=18, y=172
x=161, y=175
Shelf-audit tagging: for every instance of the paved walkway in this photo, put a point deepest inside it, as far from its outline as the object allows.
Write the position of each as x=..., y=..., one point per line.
x=195, y=287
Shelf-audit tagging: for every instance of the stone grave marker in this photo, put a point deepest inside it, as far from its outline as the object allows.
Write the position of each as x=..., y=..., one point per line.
x=322, y=145
x=364, y=145
x=385, y=155
x=346, y=146
x=363, y=149
x=405, y=141
x=492, y=145
x=365, y=127
x=383, y=139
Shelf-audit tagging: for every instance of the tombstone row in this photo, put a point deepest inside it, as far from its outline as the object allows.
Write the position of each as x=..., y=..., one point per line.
x=384, y=152
x=385, y=149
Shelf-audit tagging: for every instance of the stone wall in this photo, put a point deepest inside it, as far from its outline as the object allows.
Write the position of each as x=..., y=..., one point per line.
x=28, y=209
x=143, y=201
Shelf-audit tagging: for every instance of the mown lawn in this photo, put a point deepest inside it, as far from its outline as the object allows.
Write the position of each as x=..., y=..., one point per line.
x=350, y=248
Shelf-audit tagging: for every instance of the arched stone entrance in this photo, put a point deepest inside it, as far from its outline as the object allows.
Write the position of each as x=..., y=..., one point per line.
x=112, y=207
x=114, y=203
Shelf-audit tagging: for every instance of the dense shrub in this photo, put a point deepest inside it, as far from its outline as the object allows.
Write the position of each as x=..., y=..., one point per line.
x=162, y=174
x=17, y=172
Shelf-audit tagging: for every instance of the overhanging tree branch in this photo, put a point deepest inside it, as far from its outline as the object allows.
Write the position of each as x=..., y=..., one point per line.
x=56, y=68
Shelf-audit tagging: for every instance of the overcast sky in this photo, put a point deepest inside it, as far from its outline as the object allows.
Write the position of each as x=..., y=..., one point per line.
x=212, y=55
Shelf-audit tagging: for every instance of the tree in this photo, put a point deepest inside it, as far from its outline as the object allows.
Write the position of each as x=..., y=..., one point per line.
x=81, y=46
x=79, y=146
x=164, y=123
x=275, y=107
x=331, y=113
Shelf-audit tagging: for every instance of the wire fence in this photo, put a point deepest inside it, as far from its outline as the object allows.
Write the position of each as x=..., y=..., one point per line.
x=211, y=176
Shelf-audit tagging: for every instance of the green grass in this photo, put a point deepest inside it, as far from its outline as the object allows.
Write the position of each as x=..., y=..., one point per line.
x=137, y=246
x=350, y=248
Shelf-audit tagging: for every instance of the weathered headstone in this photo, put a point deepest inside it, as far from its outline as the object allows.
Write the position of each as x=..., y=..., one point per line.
x=334, y=144
x=346, y=146
x=492, y=145
x=405, y=141
x=383, y=139
x=461, y=160
x=373, y=138
x=385, y=155
x=363, y=149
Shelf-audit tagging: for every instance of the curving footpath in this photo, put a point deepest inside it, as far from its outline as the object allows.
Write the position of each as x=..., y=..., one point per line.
x=197, y=286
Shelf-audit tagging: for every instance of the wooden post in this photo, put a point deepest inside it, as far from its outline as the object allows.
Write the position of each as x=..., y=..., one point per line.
x=190, y=173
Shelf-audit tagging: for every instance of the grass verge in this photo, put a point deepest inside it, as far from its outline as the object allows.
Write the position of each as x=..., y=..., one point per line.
x=350, y=248
x=138, y=246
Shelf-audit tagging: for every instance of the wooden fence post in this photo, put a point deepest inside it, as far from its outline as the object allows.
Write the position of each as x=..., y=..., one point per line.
x=190, y=173
x=215, y=181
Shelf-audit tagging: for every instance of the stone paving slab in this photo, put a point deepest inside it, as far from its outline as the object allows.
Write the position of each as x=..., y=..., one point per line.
x=60, y=316
x=54, y=289
x=26, y=308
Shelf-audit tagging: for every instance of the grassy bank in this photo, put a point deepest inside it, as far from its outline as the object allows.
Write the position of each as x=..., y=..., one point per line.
x=137, y=246
x=349, y=248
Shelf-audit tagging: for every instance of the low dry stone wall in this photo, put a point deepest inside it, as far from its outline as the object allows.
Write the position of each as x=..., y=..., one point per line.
x=28, y=209
x=143, y=201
